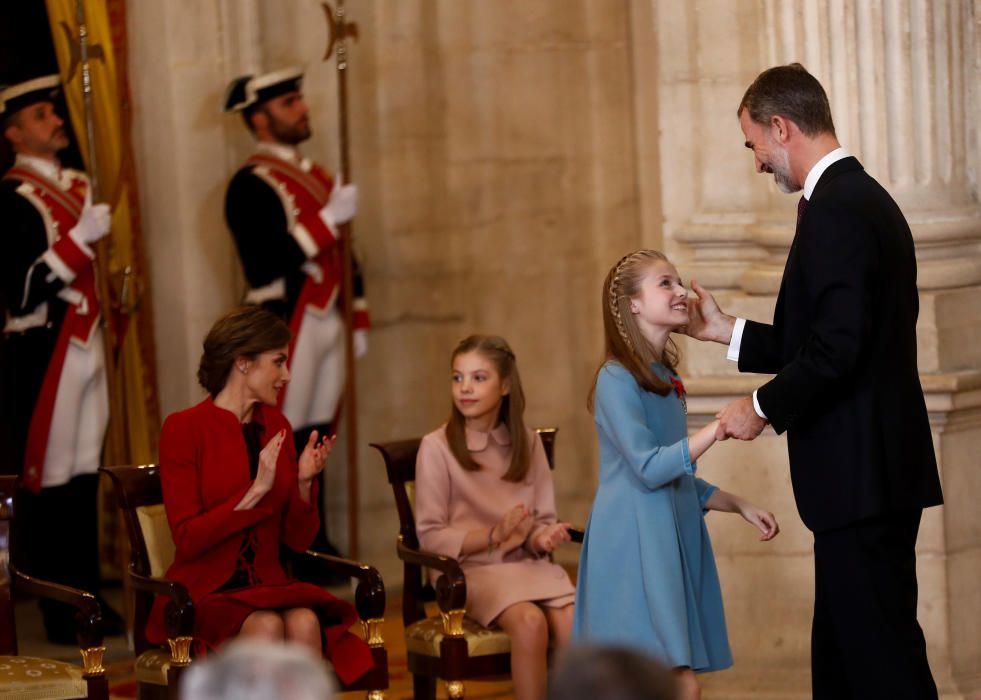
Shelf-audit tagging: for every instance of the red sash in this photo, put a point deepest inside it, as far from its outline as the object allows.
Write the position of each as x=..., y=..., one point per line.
x=308, y=192
x=63, y=209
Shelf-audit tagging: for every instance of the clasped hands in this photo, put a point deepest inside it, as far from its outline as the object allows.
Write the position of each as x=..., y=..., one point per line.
x=516, y=525
x=312, y=461
x=706, y=321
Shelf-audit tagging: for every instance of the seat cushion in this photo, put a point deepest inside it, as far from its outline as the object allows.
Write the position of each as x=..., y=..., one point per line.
x=157, y=536
x=424, y=637
x=30, y=678
x=151, y=667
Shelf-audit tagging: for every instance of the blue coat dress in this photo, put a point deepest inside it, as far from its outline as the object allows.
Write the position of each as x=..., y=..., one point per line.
x=647, y=576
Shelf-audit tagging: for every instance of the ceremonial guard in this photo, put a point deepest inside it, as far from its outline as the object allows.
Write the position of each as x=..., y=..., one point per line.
x=56, y=406
x=284, y=211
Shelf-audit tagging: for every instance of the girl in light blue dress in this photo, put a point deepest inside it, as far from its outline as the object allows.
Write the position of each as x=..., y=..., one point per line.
x=647, y=577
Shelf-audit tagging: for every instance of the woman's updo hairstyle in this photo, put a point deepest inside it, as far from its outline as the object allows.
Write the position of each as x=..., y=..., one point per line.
x=246, y=331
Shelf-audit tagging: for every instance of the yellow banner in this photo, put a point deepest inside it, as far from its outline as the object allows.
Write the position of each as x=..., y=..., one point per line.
x=115, y=184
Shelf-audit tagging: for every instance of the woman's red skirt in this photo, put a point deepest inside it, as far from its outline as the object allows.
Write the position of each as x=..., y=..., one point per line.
x=219, y=616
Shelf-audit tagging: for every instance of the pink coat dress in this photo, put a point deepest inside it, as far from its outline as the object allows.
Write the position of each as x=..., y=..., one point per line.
x=450, y=501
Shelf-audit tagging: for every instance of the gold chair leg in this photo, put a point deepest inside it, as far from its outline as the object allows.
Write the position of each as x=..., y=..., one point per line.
x=454, y=689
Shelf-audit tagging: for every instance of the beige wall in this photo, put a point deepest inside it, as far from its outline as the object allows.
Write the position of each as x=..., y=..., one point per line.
x=509, y=151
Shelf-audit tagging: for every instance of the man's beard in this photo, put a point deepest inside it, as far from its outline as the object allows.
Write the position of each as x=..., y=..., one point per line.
x=292, y=134
x=779, y=165
x=60, y=140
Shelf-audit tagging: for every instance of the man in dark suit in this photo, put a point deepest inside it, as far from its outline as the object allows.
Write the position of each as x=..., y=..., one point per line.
x=847, y=391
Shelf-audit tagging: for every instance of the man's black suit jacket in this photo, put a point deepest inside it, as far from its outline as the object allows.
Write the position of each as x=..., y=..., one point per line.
x=843, y=347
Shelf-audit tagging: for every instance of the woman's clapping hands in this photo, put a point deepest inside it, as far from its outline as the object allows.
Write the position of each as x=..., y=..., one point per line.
x=266, y=474
x=314, y=457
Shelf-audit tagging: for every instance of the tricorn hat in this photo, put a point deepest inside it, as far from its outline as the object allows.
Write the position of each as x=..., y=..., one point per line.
x=16, y=97
x=252, y=90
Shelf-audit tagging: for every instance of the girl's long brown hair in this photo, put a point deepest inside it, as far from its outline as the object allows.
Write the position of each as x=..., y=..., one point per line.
x=497, y=350
x=624, y=341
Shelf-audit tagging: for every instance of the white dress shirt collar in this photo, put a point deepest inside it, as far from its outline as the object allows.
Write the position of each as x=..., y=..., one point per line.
x=285, y=152
x=279, y=150
x=811, y=181
x=42, y=166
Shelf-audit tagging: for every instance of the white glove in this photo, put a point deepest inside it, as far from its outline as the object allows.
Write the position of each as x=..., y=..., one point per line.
x=93, y=223
x=360, y=342
x=341, y=206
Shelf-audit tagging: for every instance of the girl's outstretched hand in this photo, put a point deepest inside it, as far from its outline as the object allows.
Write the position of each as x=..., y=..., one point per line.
x=764, y=521
x=314, y=457
x=549, y=539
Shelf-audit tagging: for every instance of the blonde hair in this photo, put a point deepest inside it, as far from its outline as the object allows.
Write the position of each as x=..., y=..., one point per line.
x=497, y=350
x=624, y=341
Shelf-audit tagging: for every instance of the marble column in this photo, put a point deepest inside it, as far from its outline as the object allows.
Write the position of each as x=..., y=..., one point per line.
x=898, y=75
x=902, y=80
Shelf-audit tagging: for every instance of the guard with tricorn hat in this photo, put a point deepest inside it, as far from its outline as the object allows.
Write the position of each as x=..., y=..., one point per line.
x=283, y=211
x=54, y=378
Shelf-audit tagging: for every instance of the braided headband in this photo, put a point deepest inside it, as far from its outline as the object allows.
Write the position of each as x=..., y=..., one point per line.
x=615, y=298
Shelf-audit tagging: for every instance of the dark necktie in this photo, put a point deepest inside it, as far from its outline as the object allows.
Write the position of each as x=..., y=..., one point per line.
x=801, y=206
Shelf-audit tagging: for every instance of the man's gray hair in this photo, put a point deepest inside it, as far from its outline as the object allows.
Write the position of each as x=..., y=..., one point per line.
x=249, y=669
x=791, y=92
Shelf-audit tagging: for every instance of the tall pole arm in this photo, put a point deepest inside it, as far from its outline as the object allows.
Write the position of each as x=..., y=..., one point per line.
x=116, y=449
x=339, y=30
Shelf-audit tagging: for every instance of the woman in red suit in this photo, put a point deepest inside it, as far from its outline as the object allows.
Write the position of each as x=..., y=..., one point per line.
x=234, y=492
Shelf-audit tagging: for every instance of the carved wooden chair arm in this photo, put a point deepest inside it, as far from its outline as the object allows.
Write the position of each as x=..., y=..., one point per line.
x=179, y=613
x=89, y=615
x=451, y=587
x=369, y=596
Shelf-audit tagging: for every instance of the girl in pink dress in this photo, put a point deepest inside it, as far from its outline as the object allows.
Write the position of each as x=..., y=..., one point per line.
x=484, y=496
